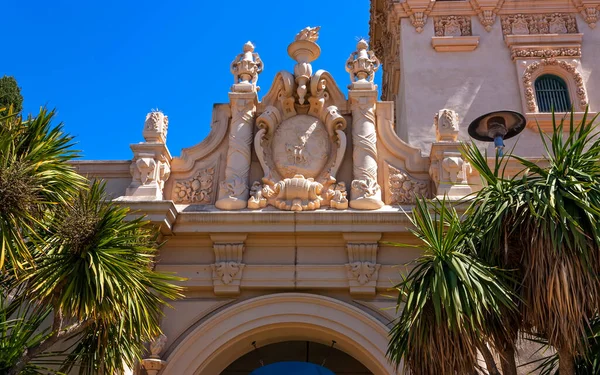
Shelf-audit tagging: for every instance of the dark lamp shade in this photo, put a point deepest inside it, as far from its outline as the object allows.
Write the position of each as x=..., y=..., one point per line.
x=514, y=121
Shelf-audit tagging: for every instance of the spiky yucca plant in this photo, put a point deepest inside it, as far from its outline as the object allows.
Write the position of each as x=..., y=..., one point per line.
x=450, y=298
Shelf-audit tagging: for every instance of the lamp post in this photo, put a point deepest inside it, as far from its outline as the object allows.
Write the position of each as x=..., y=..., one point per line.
x=496, y=127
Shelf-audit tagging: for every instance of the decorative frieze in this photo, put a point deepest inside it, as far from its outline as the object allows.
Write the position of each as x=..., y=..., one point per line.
x=544, y=52
x=362, y=267
x=228, y=267
x=571, y=69
x=527, y=24
x=452, y=26
x=405, y=189
x=196, y=190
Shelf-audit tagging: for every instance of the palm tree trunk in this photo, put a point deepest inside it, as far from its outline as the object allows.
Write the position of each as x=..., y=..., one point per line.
x=507, y=361
x=490, y=362
x=566, y=362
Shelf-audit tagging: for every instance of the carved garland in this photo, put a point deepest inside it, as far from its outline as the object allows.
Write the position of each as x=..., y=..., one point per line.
x=197, y=190
x=570, y=68
x=404, y=189
x=545, y=53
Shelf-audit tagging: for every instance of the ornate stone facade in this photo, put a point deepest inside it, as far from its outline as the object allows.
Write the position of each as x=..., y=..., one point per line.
x=527, y=24
x=452, y=26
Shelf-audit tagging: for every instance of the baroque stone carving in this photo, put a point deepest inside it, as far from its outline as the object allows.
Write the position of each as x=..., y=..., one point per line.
x=544, y=53
x=197, y=190
x=362, y=271
x=246, y=67
x=234, y=190
x=362, y=64
x=564, y=65
x=151, y=164
x=158, y=345
x=418, y=20
x=525, y=24
x=362, y=268
x=446, y=125
x=452, y=26
x=365, y=191
x=301, y=141
x=228, y=267
x=486, y=13
x=404, y=189
x=155, y=127
x=590, y=14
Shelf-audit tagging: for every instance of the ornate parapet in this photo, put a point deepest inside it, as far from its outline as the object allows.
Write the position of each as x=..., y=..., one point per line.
x=228, y=267
x=151, y=163
x=362, y=268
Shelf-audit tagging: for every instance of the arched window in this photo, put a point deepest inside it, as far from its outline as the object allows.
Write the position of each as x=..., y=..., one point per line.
x=552, y=92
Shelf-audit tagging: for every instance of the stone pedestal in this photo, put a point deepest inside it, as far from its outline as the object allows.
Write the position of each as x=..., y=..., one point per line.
x=449, y=171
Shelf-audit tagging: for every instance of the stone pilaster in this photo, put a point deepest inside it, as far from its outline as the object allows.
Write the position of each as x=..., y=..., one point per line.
x=228, y=267
x=234, y=191
x=362, y=267
x=365, y=192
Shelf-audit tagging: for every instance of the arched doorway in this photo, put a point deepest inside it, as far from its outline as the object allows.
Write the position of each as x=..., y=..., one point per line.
x=296, y=357
x=211, y=346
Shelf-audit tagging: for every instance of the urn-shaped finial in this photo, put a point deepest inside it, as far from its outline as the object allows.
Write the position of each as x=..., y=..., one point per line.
x=304, y=50
x=362, y=65
x=245, y=69
x=155, y=127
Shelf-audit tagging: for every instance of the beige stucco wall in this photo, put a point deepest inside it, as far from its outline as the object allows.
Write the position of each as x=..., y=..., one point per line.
x=471, y=83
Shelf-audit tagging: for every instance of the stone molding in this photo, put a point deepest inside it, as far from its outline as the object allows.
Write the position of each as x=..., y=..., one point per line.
x=210, y=345
x=530, y=24
x=228, y=267
x=455, y=43
x=518, y=53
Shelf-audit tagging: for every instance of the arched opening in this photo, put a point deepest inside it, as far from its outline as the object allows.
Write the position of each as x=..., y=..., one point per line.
x=552, y=93
x=296, y=357
x=212, y=345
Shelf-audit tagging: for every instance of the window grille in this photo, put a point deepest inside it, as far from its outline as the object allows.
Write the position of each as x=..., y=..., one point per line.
x=552, y=93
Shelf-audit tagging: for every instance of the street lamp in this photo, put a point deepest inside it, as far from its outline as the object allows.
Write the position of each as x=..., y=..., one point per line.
x=496, y=127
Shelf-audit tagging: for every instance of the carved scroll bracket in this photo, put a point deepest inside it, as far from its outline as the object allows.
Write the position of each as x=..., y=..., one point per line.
x=228, y=267
x=151, y=164
x=362, y=268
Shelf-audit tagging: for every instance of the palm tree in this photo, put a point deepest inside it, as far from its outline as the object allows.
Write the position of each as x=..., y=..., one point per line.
x=73, y=256
x=545, y=225
x=34, y=176
x=453, y=302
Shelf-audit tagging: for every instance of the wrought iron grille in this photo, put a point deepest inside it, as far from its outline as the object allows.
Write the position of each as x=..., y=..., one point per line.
x=552, y=92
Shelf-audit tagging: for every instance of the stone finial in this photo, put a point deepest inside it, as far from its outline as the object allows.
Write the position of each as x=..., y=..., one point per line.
x=309, y=33
x=158, y=345
x=155, y=127
x=362, y=65
x=446, y=125
x=245, y=69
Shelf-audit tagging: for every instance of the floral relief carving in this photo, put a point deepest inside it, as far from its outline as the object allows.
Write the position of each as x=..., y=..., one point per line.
x=418, y=20
x=590, y=15
x=405, y=189
x=525, y=24
x=197, y=190
x=362, y=271
x=544, y=53
x=452, y=26
x=567, y=67
x=226, y=272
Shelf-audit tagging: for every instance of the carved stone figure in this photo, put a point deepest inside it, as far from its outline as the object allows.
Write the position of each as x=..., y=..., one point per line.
x=309, y=33
x=446, y=125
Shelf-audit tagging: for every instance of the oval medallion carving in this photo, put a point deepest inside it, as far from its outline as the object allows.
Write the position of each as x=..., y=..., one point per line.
x=300, y=147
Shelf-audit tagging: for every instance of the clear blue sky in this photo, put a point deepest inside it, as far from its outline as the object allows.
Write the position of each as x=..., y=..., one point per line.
x=104, y=64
